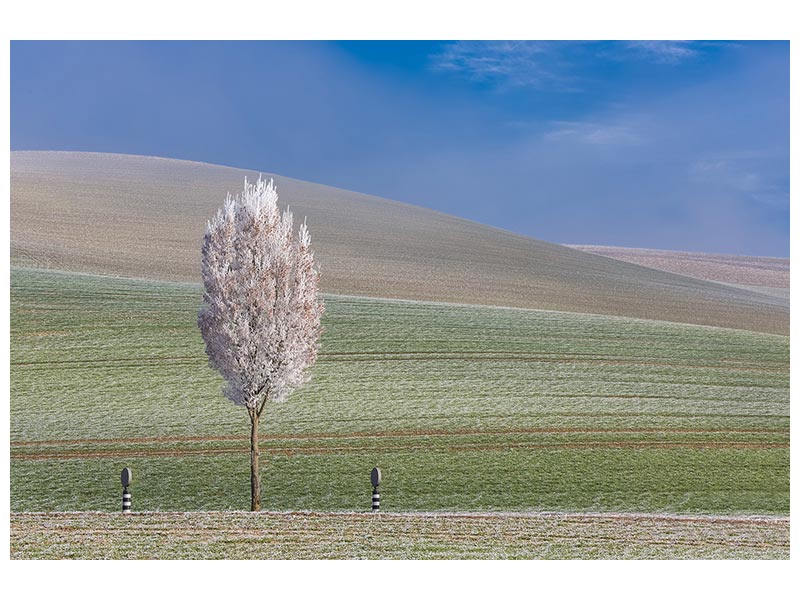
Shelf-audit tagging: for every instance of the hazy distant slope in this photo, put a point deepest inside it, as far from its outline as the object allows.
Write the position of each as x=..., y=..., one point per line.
x=144, y=216
x=758, y=271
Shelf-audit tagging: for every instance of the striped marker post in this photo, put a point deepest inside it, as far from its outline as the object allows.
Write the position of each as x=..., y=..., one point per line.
x=126, y=478
x=375, y=477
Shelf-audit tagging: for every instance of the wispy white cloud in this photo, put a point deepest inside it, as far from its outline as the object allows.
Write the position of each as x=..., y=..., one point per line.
x=506, y=63
x=662, y=51
x=552, y=65
x=593, y=133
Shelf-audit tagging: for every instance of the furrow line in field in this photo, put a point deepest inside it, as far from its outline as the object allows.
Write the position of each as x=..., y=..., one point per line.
x=302, y=450
x=395, y=434
x=170, y=518
x=109, y=362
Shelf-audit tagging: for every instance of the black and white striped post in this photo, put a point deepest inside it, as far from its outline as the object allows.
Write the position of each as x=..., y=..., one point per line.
x=375, y=477
x=126, y=477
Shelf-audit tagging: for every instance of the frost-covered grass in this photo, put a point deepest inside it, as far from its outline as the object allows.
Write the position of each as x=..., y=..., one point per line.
x=463, y=407
x=431, y=477
x=338, y=536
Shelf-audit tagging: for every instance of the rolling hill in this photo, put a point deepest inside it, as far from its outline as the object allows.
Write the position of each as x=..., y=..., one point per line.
x=144, y=217
x=760, y=273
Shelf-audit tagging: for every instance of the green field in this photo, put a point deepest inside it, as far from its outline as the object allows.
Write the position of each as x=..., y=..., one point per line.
x=464, y=408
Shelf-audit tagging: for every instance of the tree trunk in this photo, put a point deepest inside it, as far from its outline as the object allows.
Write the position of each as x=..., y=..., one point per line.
x=255, y=477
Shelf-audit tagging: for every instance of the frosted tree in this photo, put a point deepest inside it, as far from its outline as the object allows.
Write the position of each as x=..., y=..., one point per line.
x=260, y=318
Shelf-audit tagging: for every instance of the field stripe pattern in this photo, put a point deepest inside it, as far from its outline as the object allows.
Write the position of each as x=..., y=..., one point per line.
x=463, y=407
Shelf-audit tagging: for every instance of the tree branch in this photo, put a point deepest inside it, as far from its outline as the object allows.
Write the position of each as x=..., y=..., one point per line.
x=263, y=402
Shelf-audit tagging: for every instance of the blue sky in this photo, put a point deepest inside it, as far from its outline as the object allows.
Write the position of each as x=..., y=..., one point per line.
x=674, y=145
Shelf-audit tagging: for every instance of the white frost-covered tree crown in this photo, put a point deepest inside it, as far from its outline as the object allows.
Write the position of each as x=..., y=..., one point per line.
x=260, y=318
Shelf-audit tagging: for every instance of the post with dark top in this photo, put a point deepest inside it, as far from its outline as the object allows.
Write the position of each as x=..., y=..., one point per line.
x=375, y=477
x=126, y=477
